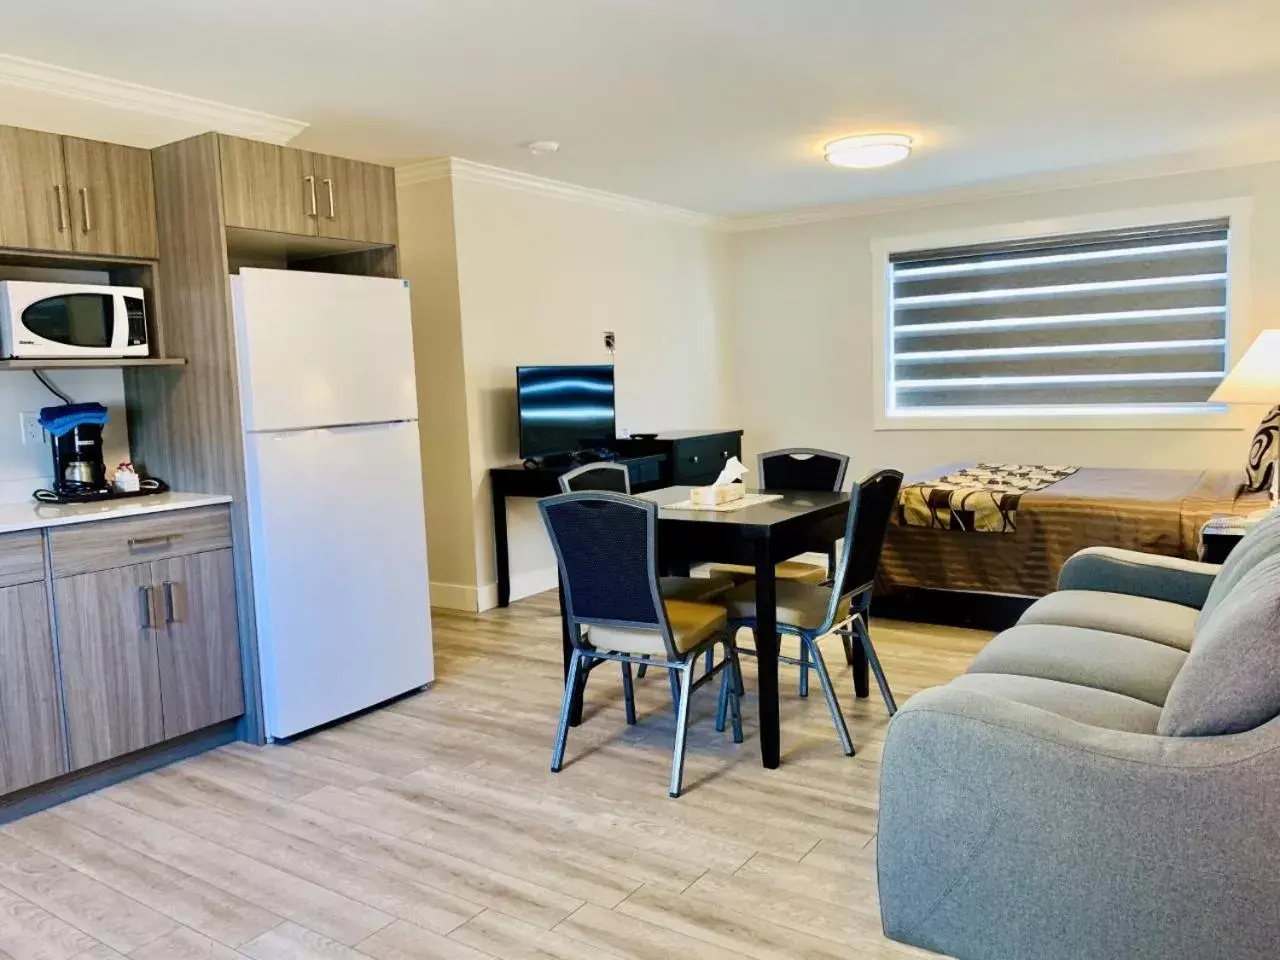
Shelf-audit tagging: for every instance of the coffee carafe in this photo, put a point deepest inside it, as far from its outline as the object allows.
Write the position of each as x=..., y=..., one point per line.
x=78, y=466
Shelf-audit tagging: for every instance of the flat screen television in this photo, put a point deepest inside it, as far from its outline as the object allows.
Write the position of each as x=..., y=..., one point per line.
x=564, y=409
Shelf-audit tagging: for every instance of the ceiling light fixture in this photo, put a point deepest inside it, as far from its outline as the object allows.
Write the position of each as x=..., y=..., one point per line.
x=866, y=152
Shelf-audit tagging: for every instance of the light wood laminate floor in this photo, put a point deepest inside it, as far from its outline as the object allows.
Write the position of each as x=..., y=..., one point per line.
x=432, y=828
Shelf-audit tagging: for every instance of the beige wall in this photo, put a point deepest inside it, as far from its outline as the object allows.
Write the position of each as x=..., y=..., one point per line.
x=539, y=280
x=801, y=330
x=429, y=261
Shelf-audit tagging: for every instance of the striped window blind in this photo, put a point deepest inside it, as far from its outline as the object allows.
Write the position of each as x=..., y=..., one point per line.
x=1122, y=321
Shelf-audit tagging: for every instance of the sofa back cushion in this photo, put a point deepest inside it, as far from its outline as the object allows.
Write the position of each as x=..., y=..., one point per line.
x=1231, y=680
x=1259, y=543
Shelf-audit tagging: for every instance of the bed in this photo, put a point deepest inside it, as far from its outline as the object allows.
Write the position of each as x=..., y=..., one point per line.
x=1156, y=511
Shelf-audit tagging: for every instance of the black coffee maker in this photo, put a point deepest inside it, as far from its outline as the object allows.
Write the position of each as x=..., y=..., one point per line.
x=78, y=467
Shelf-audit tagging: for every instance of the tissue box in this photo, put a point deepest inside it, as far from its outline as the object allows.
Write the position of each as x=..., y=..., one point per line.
x=716, y=494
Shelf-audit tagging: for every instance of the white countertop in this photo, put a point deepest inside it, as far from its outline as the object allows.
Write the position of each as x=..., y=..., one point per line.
x=33, y=516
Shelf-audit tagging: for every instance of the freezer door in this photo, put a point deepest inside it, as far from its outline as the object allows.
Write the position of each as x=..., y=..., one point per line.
x=339, y=553
x=319, y=349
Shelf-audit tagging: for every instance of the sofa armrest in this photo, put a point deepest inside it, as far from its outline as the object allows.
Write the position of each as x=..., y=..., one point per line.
x=1001, y=822
x=1113, y=570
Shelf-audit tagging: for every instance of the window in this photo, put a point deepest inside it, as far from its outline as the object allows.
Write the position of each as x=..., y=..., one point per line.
x=1109, y=322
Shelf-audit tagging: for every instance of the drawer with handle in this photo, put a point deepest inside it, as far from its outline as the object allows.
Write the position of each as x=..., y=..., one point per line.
x=21, y=558
x=699, y=460
x=105, y=544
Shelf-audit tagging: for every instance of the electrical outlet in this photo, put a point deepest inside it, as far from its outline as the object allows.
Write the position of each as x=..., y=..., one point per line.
x=32, y=432
x=610, y=341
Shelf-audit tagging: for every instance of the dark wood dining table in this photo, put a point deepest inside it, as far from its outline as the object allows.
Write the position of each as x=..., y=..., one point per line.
x=761, y=535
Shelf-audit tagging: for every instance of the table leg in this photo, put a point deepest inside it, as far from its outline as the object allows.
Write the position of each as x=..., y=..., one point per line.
x=861, y=673
x=566, y=647
x=500, y=557
x=767, y=656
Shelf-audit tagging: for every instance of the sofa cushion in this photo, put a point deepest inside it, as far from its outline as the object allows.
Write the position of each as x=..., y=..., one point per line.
x=1098, y=708
x=1255, y=546
x=1157, y=620
x=1231, y=680
x=1129, y=666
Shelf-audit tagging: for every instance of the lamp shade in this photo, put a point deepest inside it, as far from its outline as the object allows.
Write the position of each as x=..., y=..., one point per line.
x=1256, y=376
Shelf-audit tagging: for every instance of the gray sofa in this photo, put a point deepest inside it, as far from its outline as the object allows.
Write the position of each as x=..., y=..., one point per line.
x=1104, y=781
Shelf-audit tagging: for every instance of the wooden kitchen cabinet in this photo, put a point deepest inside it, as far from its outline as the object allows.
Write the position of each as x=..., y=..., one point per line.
x=267, y=187
x=357, y=200
x=32, y=747
x=112, y=198
x=110, y=667
x=33, y=198
x=199, y=658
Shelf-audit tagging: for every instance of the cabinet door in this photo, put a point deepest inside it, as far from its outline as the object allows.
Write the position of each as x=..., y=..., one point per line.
x=31, y=743
x=200, y=652
x=357, y=200
x=110, y=675
x=33, y=191
x=265, y=187
x=112, y=198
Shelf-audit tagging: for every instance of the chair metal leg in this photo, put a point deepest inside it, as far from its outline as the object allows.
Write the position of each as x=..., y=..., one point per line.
x=641, y=671
x=804, y=669
x=682, y=728
x=570, y=688
x=710, y=661
x=722, y=698
x=628, y=693
x=673, y=675
x=828, y=691
x=736, y=670
x=865, y=637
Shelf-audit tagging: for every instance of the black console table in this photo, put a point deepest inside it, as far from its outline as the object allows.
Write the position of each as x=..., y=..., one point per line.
x=690, y=457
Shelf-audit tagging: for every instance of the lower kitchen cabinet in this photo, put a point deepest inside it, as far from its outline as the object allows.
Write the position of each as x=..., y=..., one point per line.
x=31, y=742
x=199, y=658
x=110, y=665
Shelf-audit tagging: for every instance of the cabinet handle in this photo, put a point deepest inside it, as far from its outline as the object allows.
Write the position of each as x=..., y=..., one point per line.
x=311, y=196
x=170, y=603
x=151, y=543
x=144, y=605
x=84, y=208
x=328, y=185
x=61, y=202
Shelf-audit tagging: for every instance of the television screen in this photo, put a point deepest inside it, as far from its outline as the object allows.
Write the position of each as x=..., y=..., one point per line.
x=563, y=409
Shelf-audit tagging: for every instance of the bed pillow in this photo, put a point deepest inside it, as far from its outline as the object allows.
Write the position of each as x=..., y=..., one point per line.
x=1262, y=454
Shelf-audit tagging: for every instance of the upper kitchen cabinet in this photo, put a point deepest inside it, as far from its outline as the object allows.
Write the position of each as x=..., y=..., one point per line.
x=282, y=190
x=33, y=200
x=266, y=187
x=66, y=194
x=357, y=200
x=112, y=198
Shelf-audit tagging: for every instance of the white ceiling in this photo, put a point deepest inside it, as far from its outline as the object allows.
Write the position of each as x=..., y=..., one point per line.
x=719, y=106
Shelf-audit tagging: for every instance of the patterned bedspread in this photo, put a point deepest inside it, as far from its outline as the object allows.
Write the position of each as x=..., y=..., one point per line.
x=980, y=499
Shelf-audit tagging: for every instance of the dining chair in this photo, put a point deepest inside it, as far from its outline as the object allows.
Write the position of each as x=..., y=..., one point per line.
x=795, y=469
x=811, y=611
x=597, y=476
x=606, y=547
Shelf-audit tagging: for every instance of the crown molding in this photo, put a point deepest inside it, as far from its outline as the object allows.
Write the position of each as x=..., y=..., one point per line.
x=474, y=172
x=1153, y=168
x=205, y=114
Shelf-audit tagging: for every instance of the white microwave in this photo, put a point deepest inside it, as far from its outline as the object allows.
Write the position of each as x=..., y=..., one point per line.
x=51, y=321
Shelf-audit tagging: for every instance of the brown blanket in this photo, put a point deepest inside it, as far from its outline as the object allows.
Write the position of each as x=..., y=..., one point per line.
x=982, y=499
x=1155, y=511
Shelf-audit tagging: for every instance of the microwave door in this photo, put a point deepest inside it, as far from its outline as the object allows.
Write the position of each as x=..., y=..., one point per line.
x=67, y=325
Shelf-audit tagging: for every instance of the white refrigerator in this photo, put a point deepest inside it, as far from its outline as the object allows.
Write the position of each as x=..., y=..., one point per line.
x=337, y=533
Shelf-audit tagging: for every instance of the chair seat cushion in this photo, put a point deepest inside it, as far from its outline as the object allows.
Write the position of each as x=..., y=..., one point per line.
x=786, y=570
x=801, y=606
x=692, y=624
x=1121, y=664
x=695, y=589
x=1157, y=620
x=1098, y=708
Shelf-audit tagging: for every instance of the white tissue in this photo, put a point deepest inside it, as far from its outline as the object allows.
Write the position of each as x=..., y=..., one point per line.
x=733, y=470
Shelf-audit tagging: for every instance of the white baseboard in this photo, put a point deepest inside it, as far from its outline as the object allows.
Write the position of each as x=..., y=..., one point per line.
x=522, y=585
x=455, y=596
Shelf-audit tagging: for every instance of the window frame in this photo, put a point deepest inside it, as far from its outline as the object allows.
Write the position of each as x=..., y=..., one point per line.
x=1240, y=330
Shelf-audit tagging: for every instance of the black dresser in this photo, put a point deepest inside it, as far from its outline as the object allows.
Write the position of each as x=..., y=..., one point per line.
x=693, y=457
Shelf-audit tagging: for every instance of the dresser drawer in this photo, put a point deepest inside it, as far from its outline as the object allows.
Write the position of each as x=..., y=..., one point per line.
x=21, y=558
x=698, y=460
x=105, y=544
